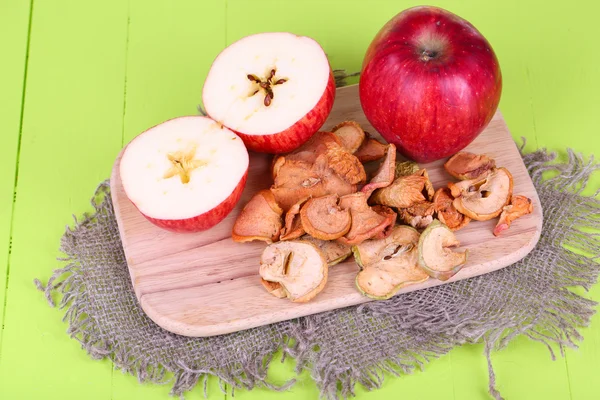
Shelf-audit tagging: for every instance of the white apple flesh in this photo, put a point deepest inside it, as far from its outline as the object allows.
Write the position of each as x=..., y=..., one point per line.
x=185, y=174
x=275, y=90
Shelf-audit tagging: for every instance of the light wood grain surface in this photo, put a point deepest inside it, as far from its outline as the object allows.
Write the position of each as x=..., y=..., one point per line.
x=204, y=284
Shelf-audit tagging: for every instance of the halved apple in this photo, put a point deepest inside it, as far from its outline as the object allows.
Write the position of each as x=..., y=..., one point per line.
x=185, y=174
x=274, y=89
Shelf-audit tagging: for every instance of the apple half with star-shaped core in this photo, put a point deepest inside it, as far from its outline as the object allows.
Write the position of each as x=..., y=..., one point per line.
x=185, y=174
x=274, y=89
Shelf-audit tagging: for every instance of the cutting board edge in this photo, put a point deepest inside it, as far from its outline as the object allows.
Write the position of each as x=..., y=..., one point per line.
x=181, y=328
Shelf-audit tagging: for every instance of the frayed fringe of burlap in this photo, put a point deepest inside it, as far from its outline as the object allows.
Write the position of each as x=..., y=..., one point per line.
x=558, y=324
x=68, y=284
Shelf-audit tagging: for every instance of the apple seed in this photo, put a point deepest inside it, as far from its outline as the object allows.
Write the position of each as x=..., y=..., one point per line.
x=266, y=85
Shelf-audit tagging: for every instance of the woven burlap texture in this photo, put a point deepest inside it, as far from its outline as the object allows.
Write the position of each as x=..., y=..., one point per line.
x=353, y=345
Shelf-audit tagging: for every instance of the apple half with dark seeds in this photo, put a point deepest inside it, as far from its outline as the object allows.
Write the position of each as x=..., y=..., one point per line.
x=185, y=174
x=274, y=89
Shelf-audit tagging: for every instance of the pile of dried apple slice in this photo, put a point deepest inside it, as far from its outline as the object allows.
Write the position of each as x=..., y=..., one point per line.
x=321, y=209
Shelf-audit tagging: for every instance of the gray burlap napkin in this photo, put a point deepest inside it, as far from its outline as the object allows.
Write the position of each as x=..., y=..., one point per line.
x=356, y=344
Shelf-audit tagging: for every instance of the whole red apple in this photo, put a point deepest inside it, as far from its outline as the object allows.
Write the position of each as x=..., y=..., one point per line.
x=430, y=83
x=273, y=89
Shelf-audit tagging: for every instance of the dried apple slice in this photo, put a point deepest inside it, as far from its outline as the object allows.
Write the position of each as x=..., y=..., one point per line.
x=366, y=221
x=446, y=212
x=273, y=288
x=483, y=198
x=292, y=228
x=466, y=165
x=428, y=190
x=315, y=146
x=435, y=254
x=345, y=164
x=297, y=179
x=333, y=251
x=372, y=251
x=519, y=206
x=276, y=165
x=390, y=215
x=320, y=167
x=323, y=218
x=260, y=219
x=402, y=193
x=351, y=135
x=298, y=266
x=389, y=264
x=419, y=215
x=404, y=168
x=384, y=176
x=370, y=150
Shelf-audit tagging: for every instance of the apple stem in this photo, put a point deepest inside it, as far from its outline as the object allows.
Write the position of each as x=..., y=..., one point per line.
x=266, y=85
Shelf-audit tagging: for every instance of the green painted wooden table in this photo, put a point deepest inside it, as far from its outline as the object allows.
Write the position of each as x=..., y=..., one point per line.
x=78, y=79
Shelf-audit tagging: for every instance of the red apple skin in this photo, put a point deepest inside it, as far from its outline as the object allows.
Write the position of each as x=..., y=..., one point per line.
x=206, y=220
x=429, y=105
x=297, y=134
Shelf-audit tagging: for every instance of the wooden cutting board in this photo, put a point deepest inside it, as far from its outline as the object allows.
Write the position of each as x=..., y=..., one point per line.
x=204, y=284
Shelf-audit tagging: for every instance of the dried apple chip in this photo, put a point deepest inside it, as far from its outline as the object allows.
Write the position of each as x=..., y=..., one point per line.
x=466, y=165
x=273, y=288
x=315, y=146
x=389, y=215
x=298, y=266
x=276, y=165
x=402, y=193
x=446, y=212
x=370, y=150
x=435, y=254
x=346, y=165
x=483, y=198
x=406, y=168
x=333, y=251
x=428, y=190
x=292, y=228
x=419, y=215
x=519, y=206
x=366, y=221
x=318, y=168
x=323, y=218
x=384, y=176
x=298, y=179
x=389, y=264
x=260, y=219
x=350, y=134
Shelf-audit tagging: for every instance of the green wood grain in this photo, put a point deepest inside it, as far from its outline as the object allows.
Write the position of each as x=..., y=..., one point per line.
x=14, y=28
x=170, y=47
x=71, y=134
